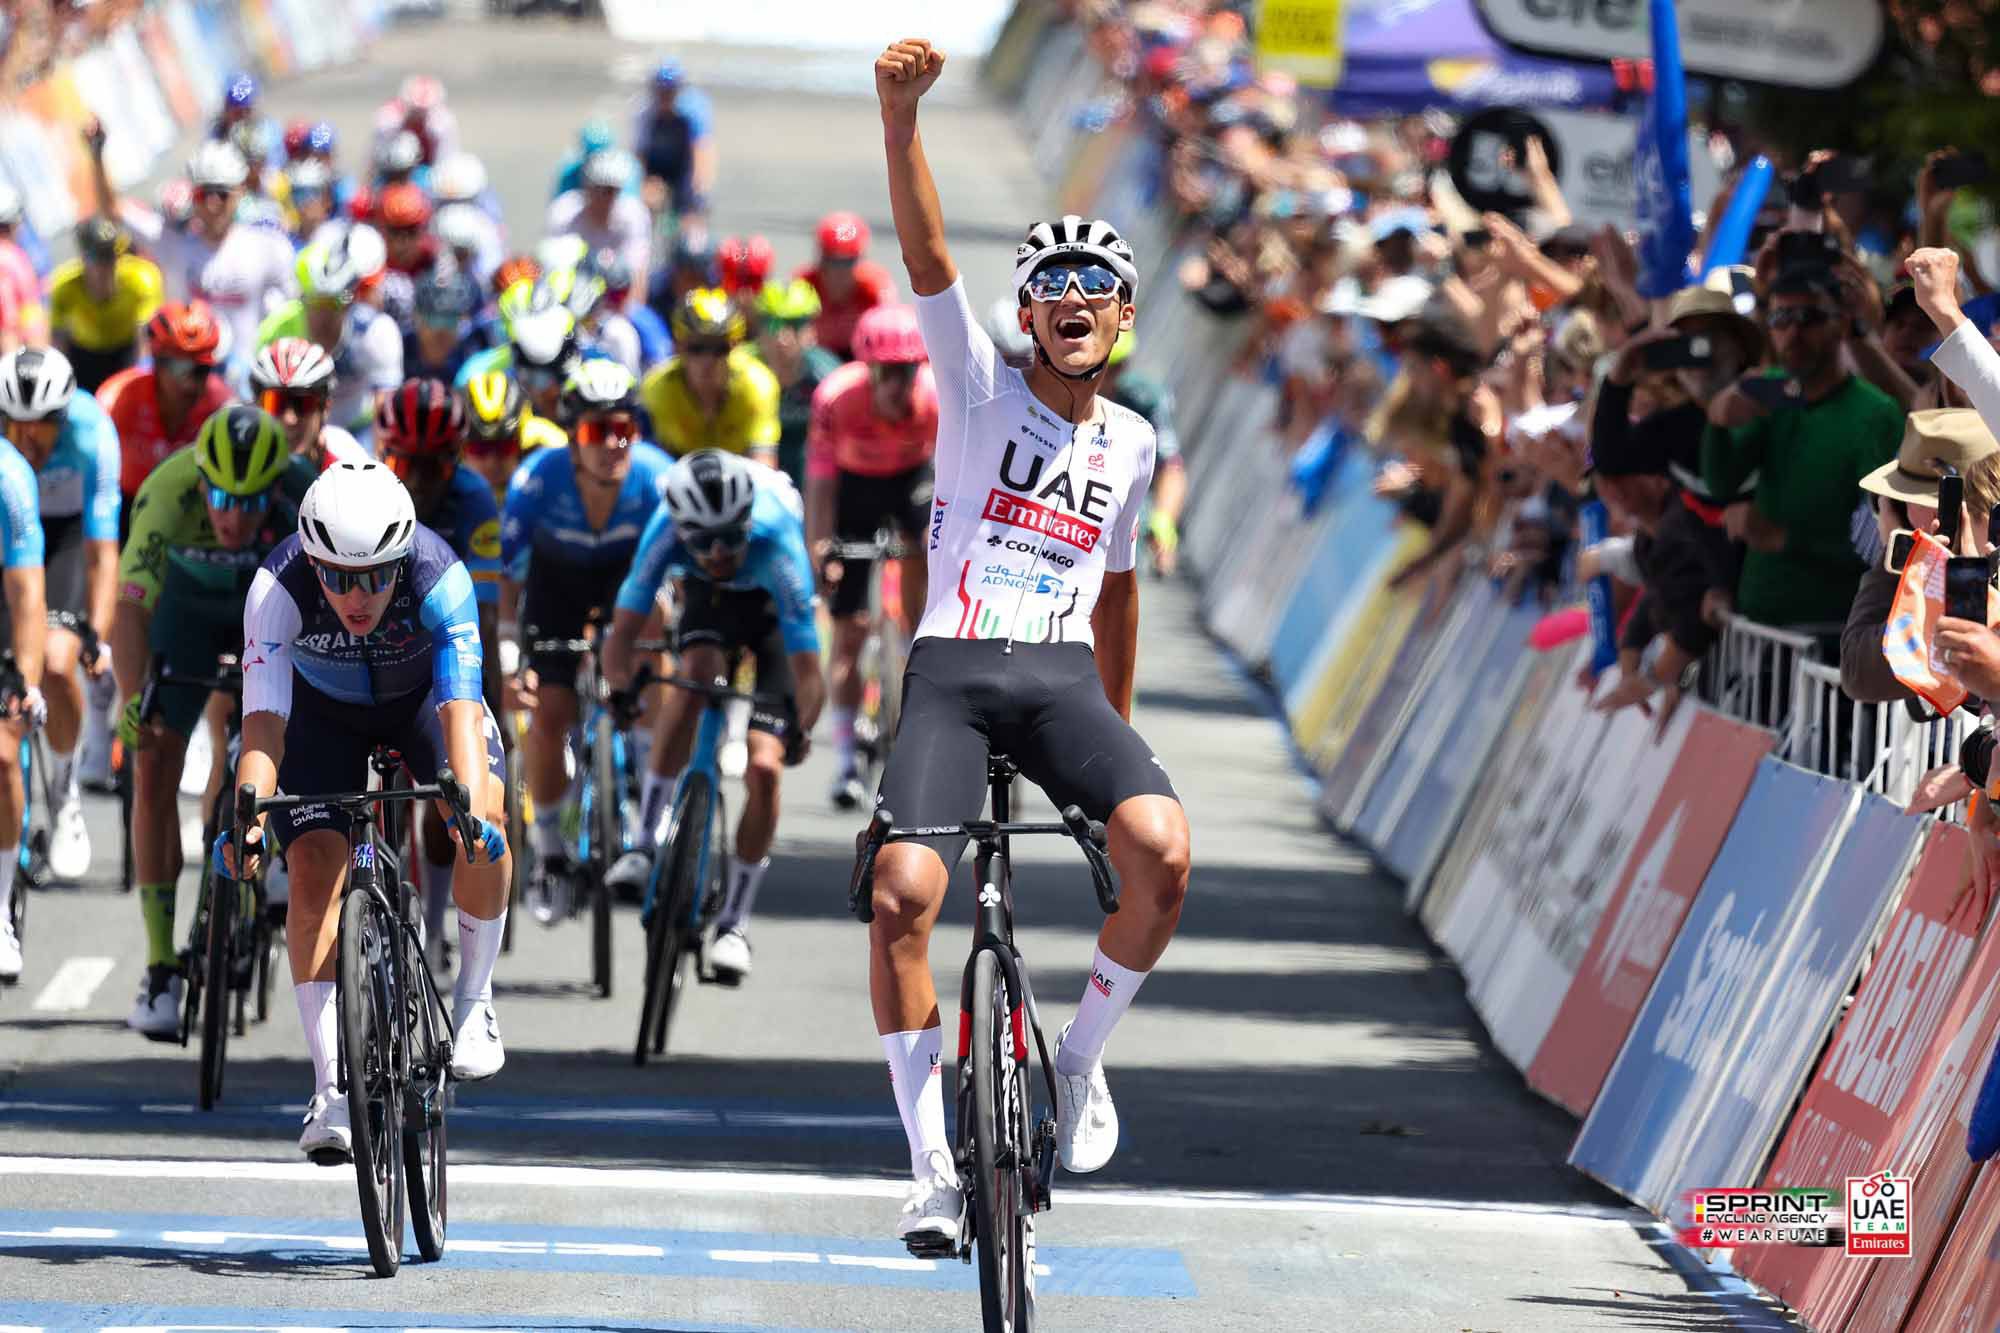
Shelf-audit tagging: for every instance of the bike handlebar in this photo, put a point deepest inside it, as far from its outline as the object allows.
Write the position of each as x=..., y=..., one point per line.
x=1088, y=833
x=228, y=678
x=447, y=788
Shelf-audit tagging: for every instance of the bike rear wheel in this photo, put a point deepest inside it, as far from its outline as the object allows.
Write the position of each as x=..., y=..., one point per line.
x=219, y=895
x=424, y=1114
x=1002, y=1231
x=677, y=881
x=607, y=843
x=370, y=1061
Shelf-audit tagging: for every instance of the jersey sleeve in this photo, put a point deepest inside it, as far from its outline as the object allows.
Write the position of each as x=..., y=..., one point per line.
x=21, y=505
x=1121, y=551
x=517, y=523
x=450, y=613
x=790, y=584
x=271, y=624
x=694, y=108
x=822, y=434
x=963, y=358
x=99, y=440
x=649, y=564
x=142, y=562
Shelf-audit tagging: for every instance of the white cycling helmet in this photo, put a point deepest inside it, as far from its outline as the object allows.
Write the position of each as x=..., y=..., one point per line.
x=1071, y=235
x=460, y=226
x=217, y=165
x=458, y=179
x=340, y=263
x=11, y=205
x=36, y=383
x=398, y=153
x=710, y=489
x=609, y=168
x=543, y=337
x=357, y=515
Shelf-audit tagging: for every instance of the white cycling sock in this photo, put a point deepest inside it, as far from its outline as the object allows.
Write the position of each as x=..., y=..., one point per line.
x=478, y=951
x=10, y=861
x=1106, y=996
x=744, y=877
x=843, y=736
x=437, y=895
x=548, y=831
x=321, y=1023
x=656, y=800
x=919, y=1087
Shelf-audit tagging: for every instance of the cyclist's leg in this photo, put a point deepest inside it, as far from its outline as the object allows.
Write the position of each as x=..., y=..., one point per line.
x=861, y=506
x=62, y=681
x=700, y=641
x=759, y=824
x=555, y=604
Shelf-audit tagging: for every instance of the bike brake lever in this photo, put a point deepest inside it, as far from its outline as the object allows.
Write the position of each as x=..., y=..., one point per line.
x=1089, y=835
x=460, y=800
x=861, y=893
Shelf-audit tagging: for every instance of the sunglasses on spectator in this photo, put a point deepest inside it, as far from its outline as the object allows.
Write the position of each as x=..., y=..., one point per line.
x=705, y=349
x=705, y=542
x=1094, y=281
x=228, y=502
x=179, y=367
x=618, y=429
x=1799, y=317
x=374, y=579
x=304, y=402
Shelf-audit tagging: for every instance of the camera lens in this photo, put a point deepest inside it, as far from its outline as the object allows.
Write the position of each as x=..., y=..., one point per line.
x=1975, y=756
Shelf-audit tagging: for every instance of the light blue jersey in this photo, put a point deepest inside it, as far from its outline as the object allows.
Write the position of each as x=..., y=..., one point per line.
x=81, y=474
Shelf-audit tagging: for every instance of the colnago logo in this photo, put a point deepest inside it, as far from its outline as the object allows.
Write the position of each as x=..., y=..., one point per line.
x=1056, y=558
x=1015, y=512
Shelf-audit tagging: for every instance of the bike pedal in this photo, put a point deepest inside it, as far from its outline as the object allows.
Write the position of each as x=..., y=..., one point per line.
x=329, y=1157
x=932, y=1247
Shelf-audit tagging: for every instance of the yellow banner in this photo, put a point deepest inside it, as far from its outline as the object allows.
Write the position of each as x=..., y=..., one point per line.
x=1300, y=38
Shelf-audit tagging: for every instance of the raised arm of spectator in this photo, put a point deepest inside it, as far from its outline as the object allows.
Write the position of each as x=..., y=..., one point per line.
x=1549, y=201
x=903, y=74
x=1518, y=255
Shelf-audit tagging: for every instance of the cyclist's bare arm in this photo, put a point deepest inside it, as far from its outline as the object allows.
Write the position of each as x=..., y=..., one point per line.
x=131, y=647
x=617, y=661
x=263, y=751
x=904, y=72
x=809, y=688
x=1115, y=623
x=100, y=563
x=28, y=612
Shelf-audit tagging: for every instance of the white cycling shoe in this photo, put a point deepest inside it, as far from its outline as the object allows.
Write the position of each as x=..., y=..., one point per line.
x=195, y=766
x=729, y=956
x=327, y=1139
x=156, y=1012
x=10, y=953
x=932, y=1208
x=69, y=842
x=1086, y=1121
x=628, y=875
x=476, y=1052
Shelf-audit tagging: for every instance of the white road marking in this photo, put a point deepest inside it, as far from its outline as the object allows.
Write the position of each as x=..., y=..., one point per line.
x=803, y=1185
x=70, y=989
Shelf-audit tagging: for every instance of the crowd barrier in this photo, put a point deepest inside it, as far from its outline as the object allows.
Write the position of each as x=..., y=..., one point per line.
x=153, y=79
x=1661, y=927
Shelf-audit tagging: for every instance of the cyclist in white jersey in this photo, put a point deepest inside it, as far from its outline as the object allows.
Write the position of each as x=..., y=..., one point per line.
x=1027, y=642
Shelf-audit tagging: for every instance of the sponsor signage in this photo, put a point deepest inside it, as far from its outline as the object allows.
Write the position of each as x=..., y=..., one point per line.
x=1012, y=510
x=1591, y=152
x=1796, y=43
x=1300, y=38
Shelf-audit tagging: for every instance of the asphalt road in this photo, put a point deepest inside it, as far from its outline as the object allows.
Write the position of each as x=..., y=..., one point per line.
x=1315, y=1134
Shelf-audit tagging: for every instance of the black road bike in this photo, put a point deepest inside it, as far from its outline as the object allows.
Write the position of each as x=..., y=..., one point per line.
x=1006, y=1148
x=395, y=1032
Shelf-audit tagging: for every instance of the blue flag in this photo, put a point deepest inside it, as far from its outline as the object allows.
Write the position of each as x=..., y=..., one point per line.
x=1729, y=240
x=1666, y=212
x=1603, y=616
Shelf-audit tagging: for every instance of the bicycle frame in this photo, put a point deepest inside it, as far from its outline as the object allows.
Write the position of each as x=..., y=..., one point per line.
x=705, y=758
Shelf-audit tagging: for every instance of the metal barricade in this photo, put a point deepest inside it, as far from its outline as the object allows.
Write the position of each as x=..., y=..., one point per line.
x=1755, y=677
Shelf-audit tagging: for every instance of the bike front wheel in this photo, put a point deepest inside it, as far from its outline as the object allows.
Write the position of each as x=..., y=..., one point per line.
x=677, y=881
x=216, y=968
x=423, y=1115
x=1003, y=1231
x=608, y=840
x=370, y=1061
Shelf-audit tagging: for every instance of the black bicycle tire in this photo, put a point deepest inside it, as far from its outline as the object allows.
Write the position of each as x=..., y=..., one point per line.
x=215, y=1017
x=424, y=1163
x=17, y=914
x=128, y=882
x=996, y=1190
x=664, y=933
x=517, y=844
x=364, y=1012
x=263, y=937
x=605, y=844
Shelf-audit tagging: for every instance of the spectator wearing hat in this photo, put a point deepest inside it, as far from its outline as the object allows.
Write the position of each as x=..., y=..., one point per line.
x=1444, y=422
x=1904, y=494
x=99, y=301
x=1800, y=461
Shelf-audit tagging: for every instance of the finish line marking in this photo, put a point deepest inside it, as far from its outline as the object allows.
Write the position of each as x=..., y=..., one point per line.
x=806, y=1185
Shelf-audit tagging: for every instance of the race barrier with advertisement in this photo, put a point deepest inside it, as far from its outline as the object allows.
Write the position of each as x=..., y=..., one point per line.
x=1661, y=926
x=153, y=79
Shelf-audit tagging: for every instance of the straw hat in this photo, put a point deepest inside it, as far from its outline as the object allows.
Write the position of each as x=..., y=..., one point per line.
x=1724, y=294
x=1953, y=435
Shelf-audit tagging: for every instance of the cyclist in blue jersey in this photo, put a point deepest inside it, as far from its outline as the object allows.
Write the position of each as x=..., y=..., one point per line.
x=23, y=635
x=572, y=522
x=734, y=534
x=69, y=440
x=419, y=433
x=360, y=631
x=444, y=337
x=674, y=148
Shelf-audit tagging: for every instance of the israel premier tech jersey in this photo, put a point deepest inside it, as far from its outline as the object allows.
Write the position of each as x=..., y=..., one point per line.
x=426, y=643
x=775, y=561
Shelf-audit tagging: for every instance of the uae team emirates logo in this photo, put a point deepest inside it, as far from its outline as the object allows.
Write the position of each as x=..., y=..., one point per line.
x=1018, y=513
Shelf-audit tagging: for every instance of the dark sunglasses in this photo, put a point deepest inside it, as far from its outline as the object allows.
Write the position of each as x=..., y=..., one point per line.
x=535, y=378
x=705, y=349
x=1095, y=281
x=896, y=372
x=406, y=466
x=180, y=367
x=617, y=429
x=374, y=579
x=405, y=232
x=498, y=446
x=229, y=502
x=209, y=193
x=304, y=402
x=704, y=542
x=1799, y=317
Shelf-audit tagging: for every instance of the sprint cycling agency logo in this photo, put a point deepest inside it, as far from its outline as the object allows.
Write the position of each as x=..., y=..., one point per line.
x=1878, y=1216
x=1726, y=1218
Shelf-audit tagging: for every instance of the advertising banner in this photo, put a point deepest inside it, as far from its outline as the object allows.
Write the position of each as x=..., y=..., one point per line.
x=164, y=58
x=1960, y=1292
x=1927, y=1143
x=1871, y=1065
x=1352, y=558
x=1341, y=683
x=1693, y=1025
x=1683, y=830
x=1829, y=923
x=1300, y=38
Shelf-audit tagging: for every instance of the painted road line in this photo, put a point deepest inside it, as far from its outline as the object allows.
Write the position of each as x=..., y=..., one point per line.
x=70, y=989
x=1124, y=1272
x=65, y=1317
x=807, y=1185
